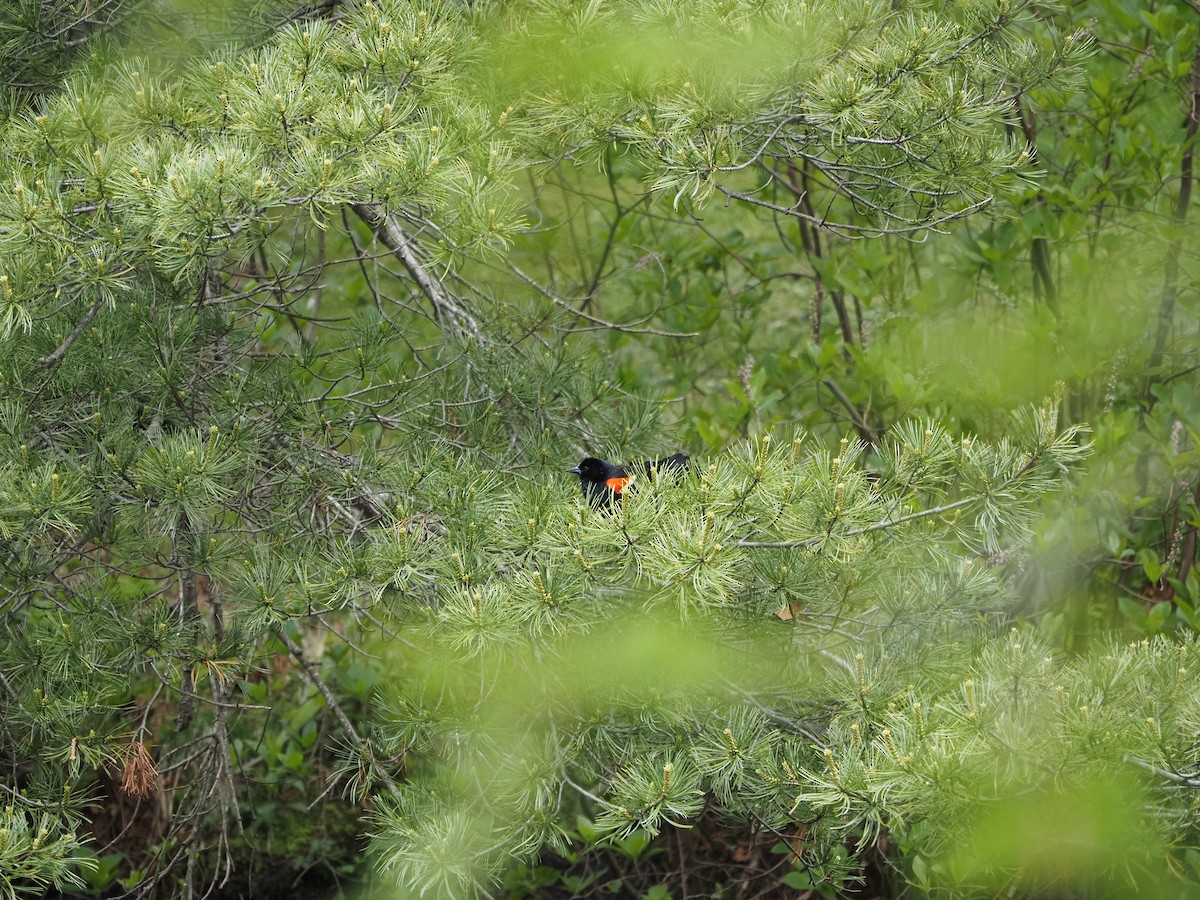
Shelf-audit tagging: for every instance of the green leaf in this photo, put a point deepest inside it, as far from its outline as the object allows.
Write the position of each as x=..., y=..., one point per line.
x=920, y=872
x=797, y=879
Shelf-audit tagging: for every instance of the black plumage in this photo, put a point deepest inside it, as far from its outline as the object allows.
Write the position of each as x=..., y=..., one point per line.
x=602, y=482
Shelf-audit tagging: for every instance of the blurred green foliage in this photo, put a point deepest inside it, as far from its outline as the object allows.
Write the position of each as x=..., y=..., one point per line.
x=305, y=306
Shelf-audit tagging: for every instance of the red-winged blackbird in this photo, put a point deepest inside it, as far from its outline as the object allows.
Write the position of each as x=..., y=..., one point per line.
x=602, y=481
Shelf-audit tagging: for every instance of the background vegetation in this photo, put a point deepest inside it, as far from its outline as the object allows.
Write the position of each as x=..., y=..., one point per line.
x=305, y=308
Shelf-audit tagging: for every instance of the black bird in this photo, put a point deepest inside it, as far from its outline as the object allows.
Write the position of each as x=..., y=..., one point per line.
x=602, y=481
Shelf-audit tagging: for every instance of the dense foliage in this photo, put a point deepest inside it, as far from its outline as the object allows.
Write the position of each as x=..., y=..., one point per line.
x=305, y=308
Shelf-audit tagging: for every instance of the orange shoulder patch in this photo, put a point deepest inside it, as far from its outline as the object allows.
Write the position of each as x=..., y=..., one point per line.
x=619, y=484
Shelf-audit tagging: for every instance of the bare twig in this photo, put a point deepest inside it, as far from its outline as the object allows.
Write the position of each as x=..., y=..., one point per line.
x=598, y=322
x=188, y=616
x=878, y=526
x=331, y=701
x=1170, y=290
x=861, y=425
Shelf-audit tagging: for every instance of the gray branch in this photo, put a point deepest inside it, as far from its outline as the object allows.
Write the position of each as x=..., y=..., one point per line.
x=351, y=732
x=447, y=309
x=878, y=526
x=58, y=354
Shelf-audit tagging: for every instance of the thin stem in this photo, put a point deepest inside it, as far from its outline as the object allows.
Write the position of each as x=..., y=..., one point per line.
x=878, y=526
x=331, y=701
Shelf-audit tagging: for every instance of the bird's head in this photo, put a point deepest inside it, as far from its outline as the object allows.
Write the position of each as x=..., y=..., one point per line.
x=592, y=469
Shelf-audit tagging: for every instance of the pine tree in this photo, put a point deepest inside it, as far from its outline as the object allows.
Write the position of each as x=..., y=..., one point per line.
x=253, y=387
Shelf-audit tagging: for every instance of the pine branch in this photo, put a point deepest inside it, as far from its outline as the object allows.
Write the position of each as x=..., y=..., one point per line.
x=62, y=349
x=447, y=309
x=315, y=679
x=878, y=526
x=1192, y=780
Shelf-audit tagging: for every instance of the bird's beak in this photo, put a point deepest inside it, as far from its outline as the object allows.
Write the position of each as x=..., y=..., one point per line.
x=574, y=470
